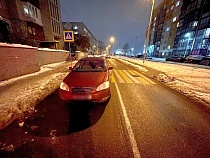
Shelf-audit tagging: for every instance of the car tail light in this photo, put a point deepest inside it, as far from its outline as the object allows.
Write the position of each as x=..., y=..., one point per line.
x=64, y=86
x=103, y=86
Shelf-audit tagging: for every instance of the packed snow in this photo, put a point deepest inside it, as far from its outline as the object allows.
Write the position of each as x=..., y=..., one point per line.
x=192, y=81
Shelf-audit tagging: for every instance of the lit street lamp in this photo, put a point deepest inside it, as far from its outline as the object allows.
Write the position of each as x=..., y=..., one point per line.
x=112, y=40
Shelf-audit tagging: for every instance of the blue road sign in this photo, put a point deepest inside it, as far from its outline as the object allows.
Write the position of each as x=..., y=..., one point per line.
x=68, y=36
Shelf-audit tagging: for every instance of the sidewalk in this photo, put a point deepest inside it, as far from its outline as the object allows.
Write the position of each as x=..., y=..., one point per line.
x=189, y=79
x=20, y=95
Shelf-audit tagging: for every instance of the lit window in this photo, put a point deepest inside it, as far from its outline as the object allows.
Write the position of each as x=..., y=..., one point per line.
x=25, y=8
x=172, y=7
x=174, y=19
x=168, y=28
x=177, y=25
x=169, y=47
x=195, y=23
x=208, y=31
x=75, y=27
x=75, y=32
x=177, y=3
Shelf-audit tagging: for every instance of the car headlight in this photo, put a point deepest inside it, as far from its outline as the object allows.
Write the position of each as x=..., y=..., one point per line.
x=64, y=86
x=103, y=86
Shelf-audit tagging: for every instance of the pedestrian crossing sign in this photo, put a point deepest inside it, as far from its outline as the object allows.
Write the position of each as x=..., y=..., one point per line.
x=68, y=36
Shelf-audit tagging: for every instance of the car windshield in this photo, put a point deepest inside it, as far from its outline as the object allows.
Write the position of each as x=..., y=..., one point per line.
x=86, y=65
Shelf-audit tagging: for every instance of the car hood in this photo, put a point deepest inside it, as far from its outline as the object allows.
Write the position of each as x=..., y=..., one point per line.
x=85, y=79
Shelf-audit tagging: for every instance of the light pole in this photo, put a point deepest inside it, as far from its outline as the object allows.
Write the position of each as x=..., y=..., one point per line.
x=112, y=40
x=148, y=31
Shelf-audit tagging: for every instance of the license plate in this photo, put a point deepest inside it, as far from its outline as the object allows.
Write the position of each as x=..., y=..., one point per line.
x=82, y=97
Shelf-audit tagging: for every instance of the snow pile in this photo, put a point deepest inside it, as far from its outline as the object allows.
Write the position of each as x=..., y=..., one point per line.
x=28, y=97
x=23, y=98
x=190, y=80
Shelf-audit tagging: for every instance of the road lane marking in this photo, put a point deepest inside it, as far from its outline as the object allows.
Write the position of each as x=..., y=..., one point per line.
x=134, y=146
x=127, y=79
x=121, y=80
x=131, y=77
x=113, y=80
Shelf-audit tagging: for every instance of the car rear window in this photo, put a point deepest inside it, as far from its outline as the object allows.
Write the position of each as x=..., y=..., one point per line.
x=92, y=65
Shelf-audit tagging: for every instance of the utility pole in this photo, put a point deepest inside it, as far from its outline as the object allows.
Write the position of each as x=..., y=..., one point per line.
x=148, y=31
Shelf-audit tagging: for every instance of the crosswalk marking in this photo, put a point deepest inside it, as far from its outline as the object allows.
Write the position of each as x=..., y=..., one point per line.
x=127, y=79
x=121, y=80
x=129, y=76
x=113, y=80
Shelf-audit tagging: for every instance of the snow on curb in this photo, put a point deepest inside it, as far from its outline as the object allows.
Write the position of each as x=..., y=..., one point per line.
x=28, y=98
x=184, y=88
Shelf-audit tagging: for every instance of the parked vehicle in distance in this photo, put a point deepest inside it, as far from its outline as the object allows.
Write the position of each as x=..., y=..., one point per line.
x=89, y=80
x=171, y=57
x=206, y=60
x=179, y=59
x=194, y=58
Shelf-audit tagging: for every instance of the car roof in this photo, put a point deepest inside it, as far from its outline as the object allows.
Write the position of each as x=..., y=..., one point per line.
x=92, y=58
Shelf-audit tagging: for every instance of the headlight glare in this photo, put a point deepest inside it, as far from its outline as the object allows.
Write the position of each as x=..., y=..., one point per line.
x=103, y=86
x=64, y=86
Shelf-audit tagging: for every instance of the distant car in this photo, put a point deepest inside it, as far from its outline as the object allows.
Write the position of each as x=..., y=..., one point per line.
x=194, y=58
x=171, y=57
x=89, y=80
x=179, y=59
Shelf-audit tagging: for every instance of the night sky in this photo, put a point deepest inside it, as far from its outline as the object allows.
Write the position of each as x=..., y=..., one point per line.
x=126, y=20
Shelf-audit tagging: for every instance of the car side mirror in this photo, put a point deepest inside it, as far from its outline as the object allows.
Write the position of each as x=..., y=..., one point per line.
x=70, y=68
x=110, y=68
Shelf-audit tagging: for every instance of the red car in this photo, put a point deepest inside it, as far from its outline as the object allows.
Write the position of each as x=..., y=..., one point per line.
x=89, y=80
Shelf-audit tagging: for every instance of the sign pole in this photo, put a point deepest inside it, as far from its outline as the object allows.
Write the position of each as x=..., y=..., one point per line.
x=70, y=52
x=69, y=37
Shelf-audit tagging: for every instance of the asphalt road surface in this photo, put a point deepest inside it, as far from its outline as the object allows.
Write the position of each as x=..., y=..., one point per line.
x=143, y=118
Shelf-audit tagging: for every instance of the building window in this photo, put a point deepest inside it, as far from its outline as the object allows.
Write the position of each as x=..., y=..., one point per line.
x=177, y=25
x=172, y=7
x=30, y=30
x=168, y=28
x=169, y=47
x=76, y=32
x=177, y=3
x=25, y=8
x=174, y=19
x=195, y=23
x=75, y=27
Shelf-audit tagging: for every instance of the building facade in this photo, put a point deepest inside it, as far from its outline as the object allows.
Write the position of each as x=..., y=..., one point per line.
x=33, y=22
x=165, y=20
x=193, y=34
x=52, y=24
x=24, y=21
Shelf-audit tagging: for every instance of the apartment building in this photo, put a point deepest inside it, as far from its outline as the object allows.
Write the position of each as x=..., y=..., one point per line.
x=24, y=20
x=33, y=22
x=81, y=29
x=165, y=20
x=52, y=24
x=193, y=34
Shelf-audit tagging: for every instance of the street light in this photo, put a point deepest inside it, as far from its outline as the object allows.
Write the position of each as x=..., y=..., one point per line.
x=148, y=31
x=112, y=40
